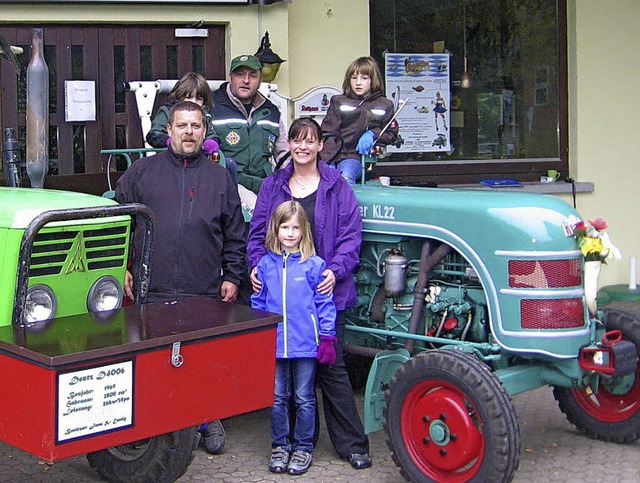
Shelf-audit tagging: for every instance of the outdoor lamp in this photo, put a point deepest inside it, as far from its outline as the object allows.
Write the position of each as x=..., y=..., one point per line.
x=269, y=59
x=465, y=80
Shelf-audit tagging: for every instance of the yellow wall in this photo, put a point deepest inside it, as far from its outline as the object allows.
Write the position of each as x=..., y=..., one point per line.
x=604, y=103
x=245, y=24
x=318, y=38
x=322, y=43
x=605, y=119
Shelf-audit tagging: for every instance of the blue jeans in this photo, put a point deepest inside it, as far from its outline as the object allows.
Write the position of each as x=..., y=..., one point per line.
x=350, y=169
x=295, y=376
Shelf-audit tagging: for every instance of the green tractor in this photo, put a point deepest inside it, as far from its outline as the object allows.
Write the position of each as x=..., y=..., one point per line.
x=65, y=263
x=93, y=377
x=466, y=298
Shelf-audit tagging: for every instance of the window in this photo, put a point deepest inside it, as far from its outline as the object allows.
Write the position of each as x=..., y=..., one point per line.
x=511, y=121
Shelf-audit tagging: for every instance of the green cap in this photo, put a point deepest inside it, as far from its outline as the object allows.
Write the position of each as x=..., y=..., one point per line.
x=250, y=61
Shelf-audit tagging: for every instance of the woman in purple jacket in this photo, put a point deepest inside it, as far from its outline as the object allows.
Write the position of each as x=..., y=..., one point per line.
x=337, y=228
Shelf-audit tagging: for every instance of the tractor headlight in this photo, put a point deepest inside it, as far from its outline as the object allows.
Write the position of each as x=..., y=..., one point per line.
x=40, y=304
x=105, y=294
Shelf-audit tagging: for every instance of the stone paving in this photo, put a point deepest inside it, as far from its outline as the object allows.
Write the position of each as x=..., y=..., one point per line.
x=552, y=451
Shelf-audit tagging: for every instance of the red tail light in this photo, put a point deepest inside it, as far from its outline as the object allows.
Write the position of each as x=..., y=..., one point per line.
x=544, y=273
x=551, y=313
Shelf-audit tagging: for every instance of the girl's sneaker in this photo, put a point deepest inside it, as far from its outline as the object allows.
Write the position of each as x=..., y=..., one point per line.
x=300, y=462
x=279, y=460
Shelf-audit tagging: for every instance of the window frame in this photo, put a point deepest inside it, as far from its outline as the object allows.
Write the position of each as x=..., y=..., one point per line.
x=462, y=171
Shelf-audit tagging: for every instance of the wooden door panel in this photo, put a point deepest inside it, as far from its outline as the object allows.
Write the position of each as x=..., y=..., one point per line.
x=114, y=112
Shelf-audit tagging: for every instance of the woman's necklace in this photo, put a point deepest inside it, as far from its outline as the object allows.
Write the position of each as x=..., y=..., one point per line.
x=303, y=186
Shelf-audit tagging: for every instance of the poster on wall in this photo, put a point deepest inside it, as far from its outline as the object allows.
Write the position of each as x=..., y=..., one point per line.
x=423, y=81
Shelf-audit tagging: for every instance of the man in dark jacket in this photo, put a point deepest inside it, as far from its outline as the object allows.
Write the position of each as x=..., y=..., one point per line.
x=248, y=126
x=198, y=247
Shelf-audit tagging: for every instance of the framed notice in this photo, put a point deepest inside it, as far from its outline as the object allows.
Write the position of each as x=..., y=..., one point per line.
x=95, y=400
x=79, y=101
x=423, y=81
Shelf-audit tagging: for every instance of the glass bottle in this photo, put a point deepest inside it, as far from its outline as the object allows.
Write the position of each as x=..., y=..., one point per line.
x=37, y=113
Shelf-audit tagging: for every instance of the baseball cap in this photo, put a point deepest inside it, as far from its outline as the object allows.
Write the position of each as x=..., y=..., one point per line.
x=250, y=61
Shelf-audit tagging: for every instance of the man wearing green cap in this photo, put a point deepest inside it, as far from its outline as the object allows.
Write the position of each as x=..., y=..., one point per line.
x=248, y=125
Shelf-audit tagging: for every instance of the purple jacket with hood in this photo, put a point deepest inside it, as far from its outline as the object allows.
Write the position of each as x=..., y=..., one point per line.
x=338, y=226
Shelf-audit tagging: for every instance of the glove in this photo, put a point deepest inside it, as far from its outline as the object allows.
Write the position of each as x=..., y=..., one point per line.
x=365, y=143
x=210, y=146
x=327, y=350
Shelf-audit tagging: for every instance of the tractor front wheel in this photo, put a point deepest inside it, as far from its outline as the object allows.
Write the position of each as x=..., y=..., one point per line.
x=163, y=458
x=612, y=413
x=449, y=419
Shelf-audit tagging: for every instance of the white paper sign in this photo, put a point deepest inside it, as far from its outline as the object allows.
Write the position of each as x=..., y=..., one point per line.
x=79, y=101
x=423, y=79
x=95, y=400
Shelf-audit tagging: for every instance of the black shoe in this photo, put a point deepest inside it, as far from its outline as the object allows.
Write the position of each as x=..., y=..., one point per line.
x=360, y=461
x=214, y=437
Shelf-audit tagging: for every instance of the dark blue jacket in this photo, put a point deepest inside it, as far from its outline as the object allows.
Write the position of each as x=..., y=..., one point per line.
x=289, y=287
x=199, y=226
x=338, y=226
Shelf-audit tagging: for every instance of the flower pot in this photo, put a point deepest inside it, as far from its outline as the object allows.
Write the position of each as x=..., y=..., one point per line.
x=591, y=274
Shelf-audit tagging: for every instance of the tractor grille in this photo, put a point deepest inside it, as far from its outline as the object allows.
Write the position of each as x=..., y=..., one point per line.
x=545, y=273
x=551, y=313
x=78, y=250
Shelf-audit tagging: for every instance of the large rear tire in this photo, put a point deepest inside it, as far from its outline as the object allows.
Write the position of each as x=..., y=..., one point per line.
x=450, y=419
x=160, y=459
x=613, y=413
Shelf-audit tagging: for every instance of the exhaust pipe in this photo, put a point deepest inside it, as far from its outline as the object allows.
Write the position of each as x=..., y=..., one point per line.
x=37, y=113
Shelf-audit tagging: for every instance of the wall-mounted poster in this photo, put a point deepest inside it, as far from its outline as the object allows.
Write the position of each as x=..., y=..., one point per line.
x=422, y=80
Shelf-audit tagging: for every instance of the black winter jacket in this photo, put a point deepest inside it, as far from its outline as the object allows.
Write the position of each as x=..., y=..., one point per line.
x=199, y=225
x=351, y=117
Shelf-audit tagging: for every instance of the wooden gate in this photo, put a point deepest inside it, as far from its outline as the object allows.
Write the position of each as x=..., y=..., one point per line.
x=110, y=55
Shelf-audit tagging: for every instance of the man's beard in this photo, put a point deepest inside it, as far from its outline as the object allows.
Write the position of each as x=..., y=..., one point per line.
x=197, y=146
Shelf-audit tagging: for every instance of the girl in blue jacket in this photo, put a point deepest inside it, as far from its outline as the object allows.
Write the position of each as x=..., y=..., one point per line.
x=290, y=273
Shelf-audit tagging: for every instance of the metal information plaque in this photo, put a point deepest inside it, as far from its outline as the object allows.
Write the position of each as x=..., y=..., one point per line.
x=94, y=400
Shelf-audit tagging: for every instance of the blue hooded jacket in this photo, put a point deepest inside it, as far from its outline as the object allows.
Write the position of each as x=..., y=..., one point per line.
x=289, y=287
x=338, y=226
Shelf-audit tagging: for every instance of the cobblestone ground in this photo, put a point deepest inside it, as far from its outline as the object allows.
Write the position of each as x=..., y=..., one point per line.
x=552, y=451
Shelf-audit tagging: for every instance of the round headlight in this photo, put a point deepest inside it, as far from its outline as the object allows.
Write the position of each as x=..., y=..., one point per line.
x=106, y=294
x=40, y=305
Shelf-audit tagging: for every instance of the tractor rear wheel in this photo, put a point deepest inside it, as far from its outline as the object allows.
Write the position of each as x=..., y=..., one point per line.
x=613, y=412
x=449, y=419
x=163, y=458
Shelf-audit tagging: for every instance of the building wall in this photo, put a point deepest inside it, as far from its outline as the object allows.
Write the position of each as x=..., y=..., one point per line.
x=245, y=24
x=604, y=123
x=318, y=45
x=324, y=37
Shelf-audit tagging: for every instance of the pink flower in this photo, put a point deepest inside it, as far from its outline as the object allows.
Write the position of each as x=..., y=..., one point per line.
x=580, y=228
x=599, y=224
